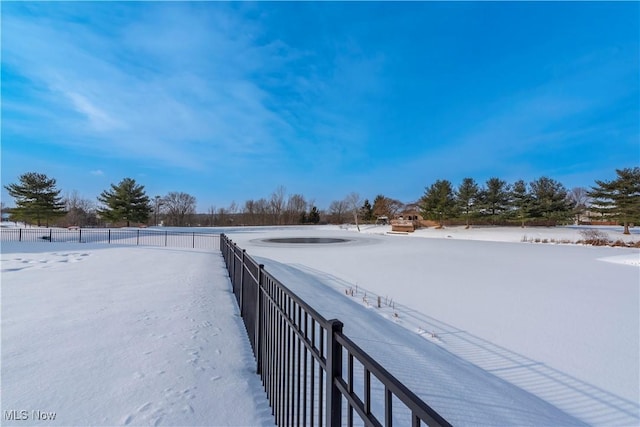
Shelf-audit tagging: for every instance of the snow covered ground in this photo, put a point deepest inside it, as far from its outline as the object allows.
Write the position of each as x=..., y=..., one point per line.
x=488, y=329
x=113, y=335
x=558, y=321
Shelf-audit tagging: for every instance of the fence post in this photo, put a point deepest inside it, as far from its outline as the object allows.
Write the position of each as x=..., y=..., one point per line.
x=258, y=337
x=242, y=284
x=334, y=370
x=138, y=237
x=50, y=235
x=19, y=234
x=194, y=240
x=165, y=237
x=109, y=237
x=232, y=272
x=80, y=235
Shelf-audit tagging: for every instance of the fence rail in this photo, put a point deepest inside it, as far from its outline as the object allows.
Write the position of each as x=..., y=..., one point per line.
x=145, y=237
x=300, y=357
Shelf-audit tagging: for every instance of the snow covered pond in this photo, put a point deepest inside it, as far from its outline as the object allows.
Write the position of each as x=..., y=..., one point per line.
x=559, y=321
x=306, y=240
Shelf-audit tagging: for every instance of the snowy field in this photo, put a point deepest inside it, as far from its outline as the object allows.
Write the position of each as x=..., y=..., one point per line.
x=114, y=335
x=488, y=329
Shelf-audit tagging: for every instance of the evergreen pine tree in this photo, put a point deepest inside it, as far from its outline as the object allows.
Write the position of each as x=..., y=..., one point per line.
x=467, y=194
x=438, y=201
x=521, y=200
x=495, y=197
x=314, y=215
x=549, y=200
x=126, y=201
x=37, y=199
x=620, y=198
x=366, y=211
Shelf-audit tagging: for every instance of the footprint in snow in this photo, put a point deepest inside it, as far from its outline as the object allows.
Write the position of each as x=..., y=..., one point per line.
x=144, y=407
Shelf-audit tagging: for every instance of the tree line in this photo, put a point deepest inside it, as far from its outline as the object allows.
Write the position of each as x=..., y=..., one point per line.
x=542, y=201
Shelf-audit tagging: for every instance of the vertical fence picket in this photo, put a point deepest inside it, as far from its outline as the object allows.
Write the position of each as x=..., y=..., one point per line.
x=242, y=267
x=334, y=371
x=259, y=310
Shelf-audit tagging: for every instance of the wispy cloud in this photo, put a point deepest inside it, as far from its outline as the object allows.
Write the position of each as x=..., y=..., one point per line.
x=174, y=86
x=99, y=119
x=97, y=172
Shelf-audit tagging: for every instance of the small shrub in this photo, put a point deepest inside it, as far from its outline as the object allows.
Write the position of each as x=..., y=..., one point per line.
x=595, y=237
x=624, y=244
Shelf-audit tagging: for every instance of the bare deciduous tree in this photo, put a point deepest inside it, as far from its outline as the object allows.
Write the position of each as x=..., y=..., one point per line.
x=211, y=216
x=386, y=206
x=262, y=211
x=249, y=212
x=296, y=208
x=179, y=208
x=80, y=211
x=353, y=202
x=337, y=211
x=277, y=204
x=222, y=217
x=580, y=197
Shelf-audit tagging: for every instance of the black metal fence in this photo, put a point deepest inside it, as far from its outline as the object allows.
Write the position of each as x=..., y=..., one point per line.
x=146, y=237
x=312, y=373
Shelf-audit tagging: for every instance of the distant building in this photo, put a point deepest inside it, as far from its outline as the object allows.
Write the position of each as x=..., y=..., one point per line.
x=408, y=220
x=382, y=220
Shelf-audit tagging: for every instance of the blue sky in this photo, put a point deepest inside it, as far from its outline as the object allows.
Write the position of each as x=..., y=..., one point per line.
x=228, y=101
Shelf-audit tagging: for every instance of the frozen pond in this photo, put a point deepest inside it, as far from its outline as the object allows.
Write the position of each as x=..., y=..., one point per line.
x=307, y=240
